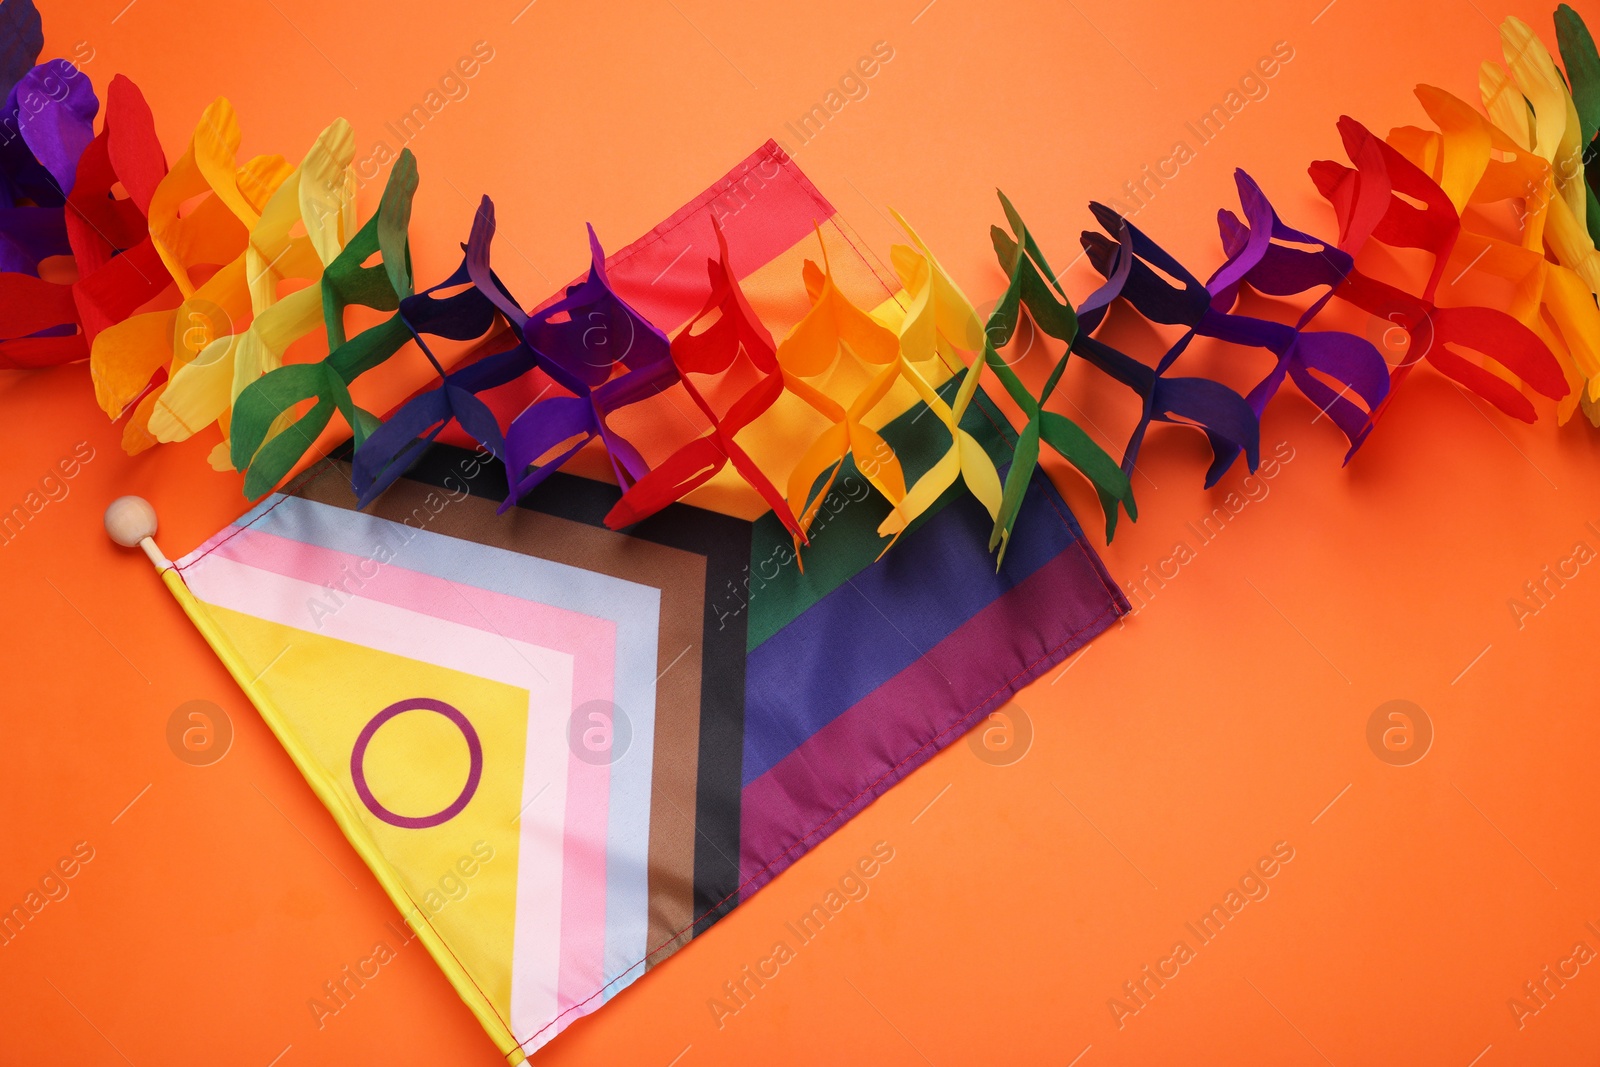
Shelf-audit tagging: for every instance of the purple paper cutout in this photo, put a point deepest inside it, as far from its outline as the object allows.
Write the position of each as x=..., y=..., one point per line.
x=1278, y=270
x=47, y=122
x=579, y=340
x=1226, y=418
x=1273, y=269
x=390, y=449
x=21, y=40
x=29, y=235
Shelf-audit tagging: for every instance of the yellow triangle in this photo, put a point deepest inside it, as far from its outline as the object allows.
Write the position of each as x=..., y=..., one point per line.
x=461, y=876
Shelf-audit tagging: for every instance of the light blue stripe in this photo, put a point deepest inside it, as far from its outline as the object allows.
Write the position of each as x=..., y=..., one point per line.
x=634, y=608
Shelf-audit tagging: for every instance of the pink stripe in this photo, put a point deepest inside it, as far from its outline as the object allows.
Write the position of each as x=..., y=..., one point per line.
x=766, y=206
x=592, y=644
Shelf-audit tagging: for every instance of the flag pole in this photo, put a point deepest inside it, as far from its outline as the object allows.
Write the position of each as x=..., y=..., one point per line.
x=131, y=522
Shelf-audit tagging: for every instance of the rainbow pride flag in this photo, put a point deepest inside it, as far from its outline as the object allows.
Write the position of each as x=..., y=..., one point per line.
x=614, y=737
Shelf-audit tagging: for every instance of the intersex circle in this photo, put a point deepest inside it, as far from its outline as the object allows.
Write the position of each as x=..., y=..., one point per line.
x=358, y=756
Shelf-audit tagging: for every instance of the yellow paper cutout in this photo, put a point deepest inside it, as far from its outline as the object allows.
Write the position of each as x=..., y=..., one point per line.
x=1555, y=116
x=1548, y=297
x=940, y=320
x=1507, y=109
x=834, y=326
x=320, y=195
x=213, y=234
x=1546, y=123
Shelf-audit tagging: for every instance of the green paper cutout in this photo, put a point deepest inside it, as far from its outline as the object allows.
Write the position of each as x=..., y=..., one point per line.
x=1027, y=270
x=345, y=281
x=1583, y=68
x=1582, y=61
x=266, y=456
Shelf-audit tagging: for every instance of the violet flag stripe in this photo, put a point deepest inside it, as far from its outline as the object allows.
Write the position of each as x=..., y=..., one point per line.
x=898, y=727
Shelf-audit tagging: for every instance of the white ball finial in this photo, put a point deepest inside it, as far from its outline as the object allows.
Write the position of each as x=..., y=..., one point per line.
x=129, y=520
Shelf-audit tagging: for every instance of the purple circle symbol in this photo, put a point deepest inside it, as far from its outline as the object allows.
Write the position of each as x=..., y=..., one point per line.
x=358, y=757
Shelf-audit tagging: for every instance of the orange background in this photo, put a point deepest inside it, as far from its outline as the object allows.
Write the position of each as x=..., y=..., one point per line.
x=1227, y=715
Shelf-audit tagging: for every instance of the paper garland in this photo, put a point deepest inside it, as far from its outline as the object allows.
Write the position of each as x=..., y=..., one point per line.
x=734, y=329
x=178, y=307
x=602, y=352
x=264, y=407
x=832, y=330
x=1274, y=269
x=1376, y=201
x=939, y=323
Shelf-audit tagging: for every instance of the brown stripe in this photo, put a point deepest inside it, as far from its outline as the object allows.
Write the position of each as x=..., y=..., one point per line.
x=681, y=577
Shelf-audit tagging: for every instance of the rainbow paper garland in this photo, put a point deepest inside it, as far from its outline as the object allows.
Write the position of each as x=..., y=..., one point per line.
x=155, y=282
